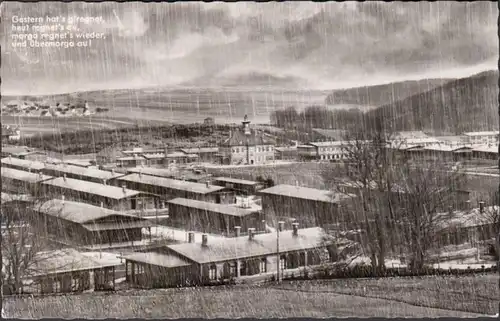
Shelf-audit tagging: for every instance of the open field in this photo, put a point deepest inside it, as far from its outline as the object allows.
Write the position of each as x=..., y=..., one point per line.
x=188, y=105
x=47, y=125
x=216, y=302
x=478, y=294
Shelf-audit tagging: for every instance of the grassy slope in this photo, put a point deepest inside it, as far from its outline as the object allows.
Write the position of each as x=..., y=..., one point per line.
x=466, y=104
x=477, y=294
x=240, y=301
x=382, y=94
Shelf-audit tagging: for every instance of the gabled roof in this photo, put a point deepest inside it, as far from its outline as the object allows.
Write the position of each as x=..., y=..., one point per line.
x=7, y=197
x=305, y=193
x=65, y=260
x=211, y=207
x=487, y=149
x=200, y=150
x=485, y=133
x=218, y=250
x=158, y=259
x=108, y=191
x=23, y=176
x=82, y=171
x=168, y=173
x=235, y=181
x=238, y=138
x=27, y=164
x=171, y=183
x=468, y=218
x=77, y=212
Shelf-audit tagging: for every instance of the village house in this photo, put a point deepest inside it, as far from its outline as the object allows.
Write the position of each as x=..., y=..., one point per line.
x=130, y=161
x=155, y=159
x=10, y=133
x=458, y=197
x=486, y=152
x=189, y=175
x=205, y=154
x=307, y=206
x=116, y=198
x=286, y=153
x=22, y=164
x=66, y=271
x=81, y=173
x=13, y=150
x=81, y=163
x=22, y=182
x=254, y=256
x=239, y=186
x=332, y=151
x=482, y=138
x=307, y=153
x=467, y=226
x=247, y=146
x=209, y=121
x=212, y=218
x=441, y=152
x=23, y=152
x=15, y=208
x=168, y=189
x=80, y=224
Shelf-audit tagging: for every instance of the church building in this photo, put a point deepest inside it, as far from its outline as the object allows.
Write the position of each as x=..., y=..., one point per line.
x=247, y=146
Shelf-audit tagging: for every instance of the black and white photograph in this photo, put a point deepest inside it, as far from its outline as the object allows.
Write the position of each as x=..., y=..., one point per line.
x=294, y=159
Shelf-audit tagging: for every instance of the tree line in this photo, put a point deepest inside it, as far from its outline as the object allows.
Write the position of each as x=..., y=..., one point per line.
x=317, y=117
x=400, y=207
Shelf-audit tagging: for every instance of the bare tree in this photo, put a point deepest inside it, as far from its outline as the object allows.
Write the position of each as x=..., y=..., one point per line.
x=21, y=241
x=427, y=192
x=368, y=172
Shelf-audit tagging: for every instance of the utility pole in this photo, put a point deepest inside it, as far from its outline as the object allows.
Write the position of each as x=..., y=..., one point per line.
x=278, y=255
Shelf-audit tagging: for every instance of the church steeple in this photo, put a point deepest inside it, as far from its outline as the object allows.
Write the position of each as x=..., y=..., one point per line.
x=246, y=125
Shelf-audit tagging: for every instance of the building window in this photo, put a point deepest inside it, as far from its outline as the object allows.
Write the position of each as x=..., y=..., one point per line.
x=243, y=268
x=263, y=265
x=282, y=262
x=232, y=269
x=212, y=272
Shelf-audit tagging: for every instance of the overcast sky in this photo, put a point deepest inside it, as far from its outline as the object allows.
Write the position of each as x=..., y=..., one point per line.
x=319, y=45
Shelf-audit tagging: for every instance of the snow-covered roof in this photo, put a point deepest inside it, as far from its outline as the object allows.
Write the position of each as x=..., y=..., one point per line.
x=468, y=218
x=485, y=133
x=487, y=149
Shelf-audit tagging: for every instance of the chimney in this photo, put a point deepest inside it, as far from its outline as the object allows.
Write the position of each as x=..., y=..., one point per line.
x=64, y=177
x=481, y=207
x=40, y=174
x=251, y=233
x=208, y=184
x=10, y=157
x=204, y=240
x=237, y=230
x=113, y=171
x=281, y=226
x=124, y=188
x=62, y=199
x=102, y=204
x=165, y=151
x=191, y=237
x=295, y=227
x=263, y=225
x=104, y=182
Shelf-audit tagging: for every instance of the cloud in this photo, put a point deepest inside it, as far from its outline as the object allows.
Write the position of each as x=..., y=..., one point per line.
x=323, y=43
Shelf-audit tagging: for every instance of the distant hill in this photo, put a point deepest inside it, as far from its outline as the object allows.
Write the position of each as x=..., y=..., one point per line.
x=384, y=94
x=466, y=104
